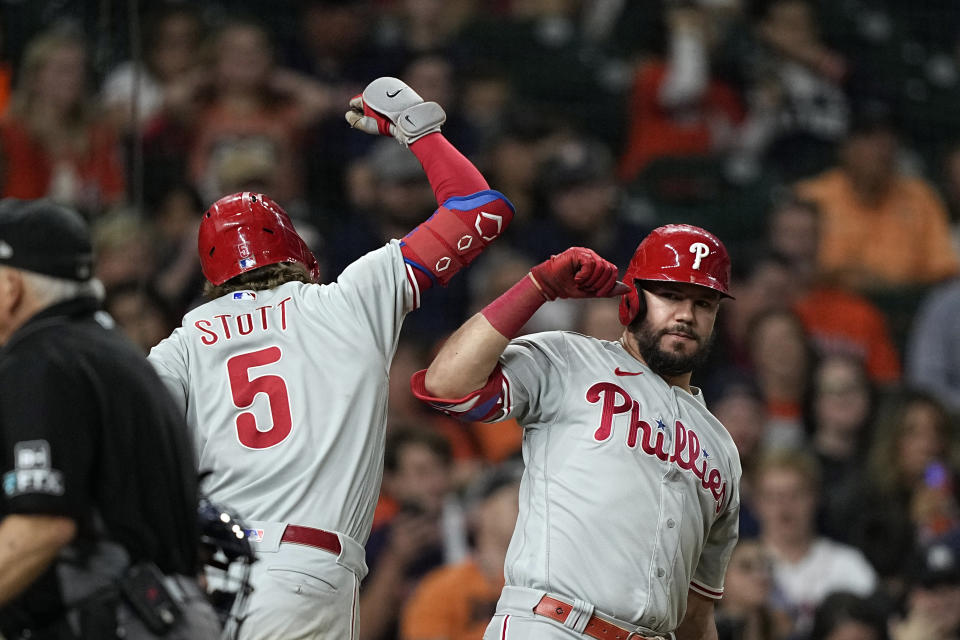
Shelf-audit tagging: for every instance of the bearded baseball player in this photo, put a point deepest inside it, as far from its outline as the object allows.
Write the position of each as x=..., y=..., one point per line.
x=284, y=381
x=629, y=499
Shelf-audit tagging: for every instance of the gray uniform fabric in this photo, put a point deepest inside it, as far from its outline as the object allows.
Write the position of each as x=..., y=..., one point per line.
x=630, y=494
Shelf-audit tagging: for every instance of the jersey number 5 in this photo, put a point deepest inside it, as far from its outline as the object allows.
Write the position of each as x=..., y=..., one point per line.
x=245, y=389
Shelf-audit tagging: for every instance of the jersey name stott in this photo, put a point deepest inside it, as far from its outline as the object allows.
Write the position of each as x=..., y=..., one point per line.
x=228, y=325
x=686, y=452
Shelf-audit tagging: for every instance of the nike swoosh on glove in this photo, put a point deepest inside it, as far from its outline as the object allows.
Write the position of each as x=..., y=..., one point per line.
x=389, y=107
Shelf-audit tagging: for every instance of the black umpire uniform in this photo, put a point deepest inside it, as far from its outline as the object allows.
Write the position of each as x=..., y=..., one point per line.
x=87, y=432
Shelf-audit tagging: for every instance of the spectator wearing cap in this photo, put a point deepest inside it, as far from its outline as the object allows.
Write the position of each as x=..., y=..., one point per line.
x=390, y=195
x=98, y=481
x=931, y=607
x=388, y=192
x=518, y=142
x=583, y=205
x=847, y=616
x=455, y=602
x=881, y=227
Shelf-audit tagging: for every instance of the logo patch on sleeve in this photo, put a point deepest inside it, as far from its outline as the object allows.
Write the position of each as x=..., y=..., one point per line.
x=32, y=473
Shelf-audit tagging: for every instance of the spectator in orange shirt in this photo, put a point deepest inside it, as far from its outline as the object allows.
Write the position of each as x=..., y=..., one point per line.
x=837, y=321
x=455, y=602
x=881, y=228
x=52, y=142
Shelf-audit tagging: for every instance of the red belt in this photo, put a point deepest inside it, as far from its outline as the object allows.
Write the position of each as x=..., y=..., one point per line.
x=311, y=537
x=596, y=628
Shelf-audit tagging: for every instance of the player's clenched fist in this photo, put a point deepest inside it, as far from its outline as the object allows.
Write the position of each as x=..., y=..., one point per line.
x=389, y=107
x=578, y=272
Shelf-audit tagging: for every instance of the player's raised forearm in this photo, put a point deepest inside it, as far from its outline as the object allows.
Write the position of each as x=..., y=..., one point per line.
x=466, y=359
x=464, y=380
x=470, y=215
x=450, y=173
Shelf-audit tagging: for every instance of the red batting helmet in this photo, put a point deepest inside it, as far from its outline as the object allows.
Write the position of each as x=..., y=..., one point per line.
x=244, y=231
x=676, y=253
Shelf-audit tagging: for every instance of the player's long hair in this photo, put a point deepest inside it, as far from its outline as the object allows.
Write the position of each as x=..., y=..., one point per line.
x=268, y=277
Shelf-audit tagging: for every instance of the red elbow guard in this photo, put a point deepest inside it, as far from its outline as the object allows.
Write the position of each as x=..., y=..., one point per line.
x=455, y=235
x=485, y=404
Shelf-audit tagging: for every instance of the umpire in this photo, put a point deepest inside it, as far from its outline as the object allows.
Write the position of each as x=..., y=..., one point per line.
x=98, y=513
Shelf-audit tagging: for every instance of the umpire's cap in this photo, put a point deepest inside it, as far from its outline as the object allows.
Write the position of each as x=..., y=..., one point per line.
x=44, y=237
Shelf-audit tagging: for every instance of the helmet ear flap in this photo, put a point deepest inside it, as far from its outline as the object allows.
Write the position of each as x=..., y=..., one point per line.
x=632, y=306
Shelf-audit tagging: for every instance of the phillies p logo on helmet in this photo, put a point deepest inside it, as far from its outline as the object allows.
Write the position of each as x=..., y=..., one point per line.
x=676, y=253
x=701, y=251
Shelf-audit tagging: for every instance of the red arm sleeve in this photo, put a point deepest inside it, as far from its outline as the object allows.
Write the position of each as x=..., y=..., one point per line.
x=470, y=216
x=449, y=172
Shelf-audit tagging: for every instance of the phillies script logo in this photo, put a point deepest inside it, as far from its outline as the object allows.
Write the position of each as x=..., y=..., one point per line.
x=686, y=445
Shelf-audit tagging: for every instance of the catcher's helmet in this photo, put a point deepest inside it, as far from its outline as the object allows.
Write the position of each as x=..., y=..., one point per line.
x=676, y=253
x=244, y=231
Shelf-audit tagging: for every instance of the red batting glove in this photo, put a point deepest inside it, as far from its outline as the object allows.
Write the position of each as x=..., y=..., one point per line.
x=577, y=273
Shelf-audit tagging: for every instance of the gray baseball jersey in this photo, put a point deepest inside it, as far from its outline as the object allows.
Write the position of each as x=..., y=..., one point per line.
x=286, y=393
x=630, y=493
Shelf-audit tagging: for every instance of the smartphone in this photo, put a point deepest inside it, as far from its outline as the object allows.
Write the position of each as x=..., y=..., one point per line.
x=936, y=476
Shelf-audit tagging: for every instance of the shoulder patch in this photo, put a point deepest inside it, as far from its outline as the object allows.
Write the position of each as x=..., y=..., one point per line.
x=32, y=471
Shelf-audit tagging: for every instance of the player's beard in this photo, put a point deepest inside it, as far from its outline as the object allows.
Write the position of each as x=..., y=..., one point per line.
x=669, y=363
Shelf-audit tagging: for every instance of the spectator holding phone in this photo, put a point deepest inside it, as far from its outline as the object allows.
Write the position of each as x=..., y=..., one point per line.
x=911, y=472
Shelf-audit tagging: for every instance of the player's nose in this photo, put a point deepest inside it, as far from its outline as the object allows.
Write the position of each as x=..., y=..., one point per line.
x=683, y=311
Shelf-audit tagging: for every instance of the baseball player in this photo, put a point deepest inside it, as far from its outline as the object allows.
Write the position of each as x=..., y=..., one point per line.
x=284, y=382
x=629, y=499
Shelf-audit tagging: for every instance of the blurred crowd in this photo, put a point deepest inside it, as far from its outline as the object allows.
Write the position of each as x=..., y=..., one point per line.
x=818, y=139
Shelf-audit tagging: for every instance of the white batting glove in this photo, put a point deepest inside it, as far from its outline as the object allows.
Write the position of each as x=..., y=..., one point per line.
x=389, y=107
